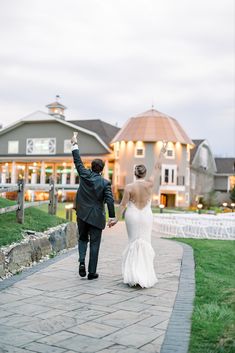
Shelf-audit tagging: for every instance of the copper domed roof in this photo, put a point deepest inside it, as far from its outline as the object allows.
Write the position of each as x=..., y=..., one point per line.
x=152, y=126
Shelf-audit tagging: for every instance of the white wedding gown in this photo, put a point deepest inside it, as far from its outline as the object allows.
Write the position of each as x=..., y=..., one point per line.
x=137, y=265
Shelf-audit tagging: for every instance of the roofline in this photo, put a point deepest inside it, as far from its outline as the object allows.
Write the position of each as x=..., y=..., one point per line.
x=224, y=174
x=204, y=141
x=52, y=118
x=115, y=139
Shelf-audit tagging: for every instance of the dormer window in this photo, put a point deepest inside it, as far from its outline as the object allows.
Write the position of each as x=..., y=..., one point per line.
x=170, y=151
x=139, y=149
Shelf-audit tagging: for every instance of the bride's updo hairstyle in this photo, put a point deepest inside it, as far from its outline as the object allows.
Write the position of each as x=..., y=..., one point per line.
x=140, y=171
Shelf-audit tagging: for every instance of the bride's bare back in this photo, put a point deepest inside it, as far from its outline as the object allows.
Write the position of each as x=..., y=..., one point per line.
x=139, y=192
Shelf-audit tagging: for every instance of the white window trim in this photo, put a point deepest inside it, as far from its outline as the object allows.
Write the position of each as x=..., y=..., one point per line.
x=67, y=141
x=173, y=154
x=139, y=148
x=35, y=153
x=170, y=167
x=17, y=144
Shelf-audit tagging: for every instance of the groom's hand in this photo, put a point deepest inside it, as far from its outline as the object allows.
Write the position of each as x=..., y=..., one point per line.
x=74, y=140
x=112, y=222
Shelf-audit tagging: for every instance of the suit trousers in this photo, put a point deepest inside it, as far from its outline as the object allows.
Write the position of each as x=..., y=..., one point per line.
x=88, y=232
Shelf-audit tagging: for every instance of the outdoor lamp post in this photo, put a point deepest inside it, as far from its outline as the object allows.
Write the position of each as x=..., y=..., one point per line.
x=69, y=209
x=232, y=206
x=161, y=206
x=199, y=206
x=224, y=204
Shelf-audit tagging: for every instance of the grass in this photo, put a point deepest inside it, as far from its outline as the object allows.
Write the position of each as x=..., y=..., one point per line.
x=35, y=219
x=213, y=320
x=61, y=210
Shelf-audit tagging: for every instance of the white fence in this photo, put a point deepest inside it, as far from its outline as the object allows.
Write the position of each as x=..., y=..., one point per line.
x=221, y=226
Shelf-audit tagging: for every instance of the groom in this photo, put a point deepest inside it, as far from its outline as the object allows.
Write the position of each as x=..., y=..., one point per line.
x=93, y=192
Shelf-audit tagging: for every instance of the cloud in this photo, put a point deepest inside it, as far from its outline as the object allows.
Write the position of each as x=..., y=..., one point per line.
x=111, y=59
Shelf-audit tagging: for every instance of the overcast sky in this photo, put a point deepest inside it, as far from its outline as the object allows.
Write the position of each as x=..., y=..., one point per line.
x=112, y=59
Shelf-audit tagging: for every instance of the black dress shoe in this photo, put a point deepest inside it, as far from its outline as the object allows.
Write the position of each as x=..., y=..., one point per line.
x=82, y=270
x=92, y=275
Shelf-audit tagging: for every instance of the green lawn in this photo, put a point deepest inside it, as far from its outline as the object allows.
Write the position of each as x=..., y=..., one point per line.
x=35, y=219
x=213, y=321
x=61, y=210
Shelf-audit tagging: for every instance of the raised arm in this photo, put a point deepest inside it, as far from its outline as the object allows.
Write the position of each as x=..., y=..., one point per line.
x=154, y=174
x=82, y=171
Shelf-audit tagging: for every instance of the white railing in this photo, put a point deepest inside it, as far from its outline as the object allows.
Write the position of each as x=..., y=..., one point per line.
x=221, y=226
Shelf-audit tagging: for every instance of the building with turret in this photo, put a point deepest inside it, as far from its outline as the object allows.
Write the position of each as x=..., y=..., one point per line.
x=153, y=138
x=37, y=148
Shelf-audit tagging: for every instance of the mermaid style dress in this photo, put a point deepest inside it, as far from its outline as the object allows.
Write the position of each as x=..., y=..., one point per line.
x=137, y=265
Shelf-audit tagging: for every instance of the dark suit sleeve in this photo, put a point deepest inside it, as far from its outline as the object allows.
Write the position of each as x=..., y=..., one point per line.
x=108, y=198
x=82, y=171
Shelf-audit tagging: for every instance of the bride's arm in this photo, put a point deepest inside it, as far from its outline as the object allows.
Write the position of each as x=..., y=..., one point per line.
x=154, y=174
x=125, y=199
x=122, y=206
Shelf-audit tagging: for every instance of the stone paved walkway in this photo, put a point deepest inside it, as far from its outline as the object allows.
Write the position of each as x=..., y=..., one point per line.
x=54, y=310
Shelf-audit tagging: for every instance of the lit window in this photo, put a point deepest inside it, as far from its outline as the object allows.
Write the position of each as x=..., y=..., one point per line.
x=67, y=146
x=232, y=181
x=13, y=146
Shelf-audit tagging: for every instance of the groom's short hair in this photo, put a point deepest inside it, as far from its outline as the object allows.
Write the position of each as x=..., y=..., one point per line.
x=97, y=165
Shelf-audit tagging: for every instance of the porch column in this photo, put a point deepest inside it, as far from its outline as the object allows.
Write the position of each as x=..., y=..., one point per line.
x=13, y=173
x=34, y=178
x=3, y=178
x=106, y=169
x=72, y=175
x=43, y=174
x=64, y=178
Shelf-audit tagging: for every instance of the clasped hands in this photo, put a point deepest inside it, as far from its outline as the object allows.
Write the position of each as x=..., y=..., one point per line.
x=112, y=222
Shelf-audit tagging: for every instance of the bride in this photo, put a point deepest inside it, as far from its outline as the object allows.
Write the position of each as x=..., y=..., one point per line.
x=137, y=265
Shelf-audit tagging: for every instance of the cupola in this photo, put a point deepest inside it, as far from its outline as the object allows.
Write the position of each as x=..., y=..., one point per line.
x=56, y=109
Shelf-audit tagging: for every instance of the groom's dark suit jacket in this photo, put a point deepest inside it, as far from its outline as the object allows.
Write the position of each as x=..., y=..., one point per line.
x=93, y=192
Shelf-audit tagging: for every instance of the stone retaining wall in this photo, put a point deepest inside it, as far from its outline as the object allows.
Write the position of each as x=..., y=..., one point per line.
x=36, y=246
